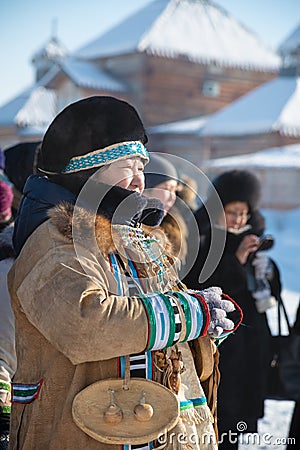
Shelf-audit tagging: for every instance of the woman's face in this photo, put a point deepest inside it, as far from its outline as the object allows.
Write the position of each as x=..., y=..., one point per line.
x=236, y=215
x=165, y=192
x=127, y=173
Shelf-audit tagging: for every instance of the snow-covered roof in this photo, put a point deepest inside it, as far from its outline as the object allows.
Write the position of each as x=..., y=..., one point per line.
x=34, y=107
x=53, y=49
x=291, y=44
x=274, y=106
x=38, y=110
x=197, y=29
x=88, y=75
x=187, y=126
x=287, y=157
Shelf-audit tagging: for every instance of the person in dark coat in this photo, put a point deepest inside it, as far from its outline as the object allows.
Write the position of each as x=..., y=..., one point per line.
x=7, y=331
x=294, y=431
x=17, y=164
x=93, y=272
x=230, y=217
x=20, y=163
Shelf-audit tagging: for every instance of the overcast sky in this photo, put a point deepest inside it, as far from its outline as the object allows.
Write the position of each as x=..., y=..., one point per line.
x=26, y=25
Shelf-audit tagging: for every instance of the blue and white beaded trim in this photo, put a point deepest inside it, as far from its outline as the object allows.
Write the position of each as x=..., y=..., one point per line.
x=196, y=315
x=107, y=155
x=162, y=321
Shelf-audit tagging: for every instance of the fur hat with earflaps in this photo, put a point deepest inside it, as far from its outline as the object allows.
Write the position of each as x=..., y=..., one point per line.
x=238, y=186
x=91, y=133
x=230, y=186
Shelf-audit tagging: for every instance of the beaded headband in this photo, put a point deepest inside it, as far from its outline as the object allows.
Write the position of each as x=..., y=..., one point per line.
x=106, y=155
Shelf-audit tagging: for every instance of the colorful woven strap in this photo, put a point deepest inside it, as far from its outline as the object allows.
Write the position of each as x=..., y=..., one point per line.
x=200, y=401
x=164, y=320
x=205, y=311
x=192, y=403
x=195, y=319
x=166, y=326
x=25, y=393
x=5, y=386
x=116, y=271
x=5, y=409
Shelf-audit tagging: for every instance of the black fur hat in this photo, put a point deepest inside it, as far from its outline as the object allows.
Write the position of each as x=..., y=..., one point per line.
x=238, y=186
x=87, y=125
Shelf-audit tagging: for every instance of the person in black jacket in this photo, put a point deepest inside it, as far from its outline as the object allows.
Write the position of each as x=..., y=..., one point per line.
x=17, y=164
x=294, y=431
x=7, y=349
x=230, y=217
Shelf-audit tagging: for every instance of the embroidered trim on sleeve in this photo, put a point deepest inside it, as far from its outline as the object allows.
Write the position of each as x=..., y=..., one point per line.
x=165, y=324
x=25, y=393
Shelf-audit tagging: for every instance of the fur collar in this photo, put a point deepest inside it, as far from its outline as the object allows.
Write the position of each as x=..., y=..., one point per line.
x=62, y=216
x=176, y=230
x=84, y=224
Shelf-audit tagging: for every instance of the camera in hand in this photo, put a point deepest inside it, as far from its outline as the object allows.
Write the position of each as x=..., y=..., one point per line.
x=265, y=242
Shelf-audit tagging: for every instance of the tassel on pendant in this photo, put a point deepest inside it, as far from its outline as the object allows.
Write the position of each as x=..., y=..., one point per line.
x=177, y=439
x=196, y=415
x=172, y=367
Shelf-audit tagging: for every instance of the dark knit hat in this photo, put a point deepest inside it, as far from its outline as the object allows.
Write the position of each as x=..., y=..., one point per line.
x=19, y=163
x=86, y=132
x=6, y=199
x=238, y=186
x=159, y=170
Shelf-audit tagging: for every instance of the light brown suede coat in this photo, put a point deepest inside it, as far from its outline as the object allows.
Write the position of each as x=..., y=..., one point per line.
x=70, y=329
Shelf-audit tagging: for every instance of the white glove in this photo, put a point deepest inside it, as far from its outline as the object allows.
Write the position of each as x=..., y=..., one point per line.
x=218, y=308
x=262, y=266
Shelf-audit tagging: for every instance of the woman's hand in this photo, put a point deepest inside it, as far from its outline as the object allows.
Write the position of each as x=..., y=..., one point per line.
x=218, y=308
x=248, y=245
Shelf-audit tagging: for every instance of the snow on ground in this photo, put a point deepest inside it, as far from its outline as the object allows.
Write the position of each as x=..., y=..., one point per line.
x=273, y=429
x=284, y=226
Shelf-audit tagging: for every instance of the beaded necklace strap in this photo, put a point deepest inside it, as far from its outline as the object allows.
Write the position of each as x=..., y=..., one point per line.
x=148, y=247
x=107, y=155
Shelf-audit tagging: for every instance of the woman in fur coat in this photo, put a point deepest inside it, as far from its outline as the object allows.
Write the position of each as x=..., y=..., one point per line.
x=94, y=294
x=230, y=224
